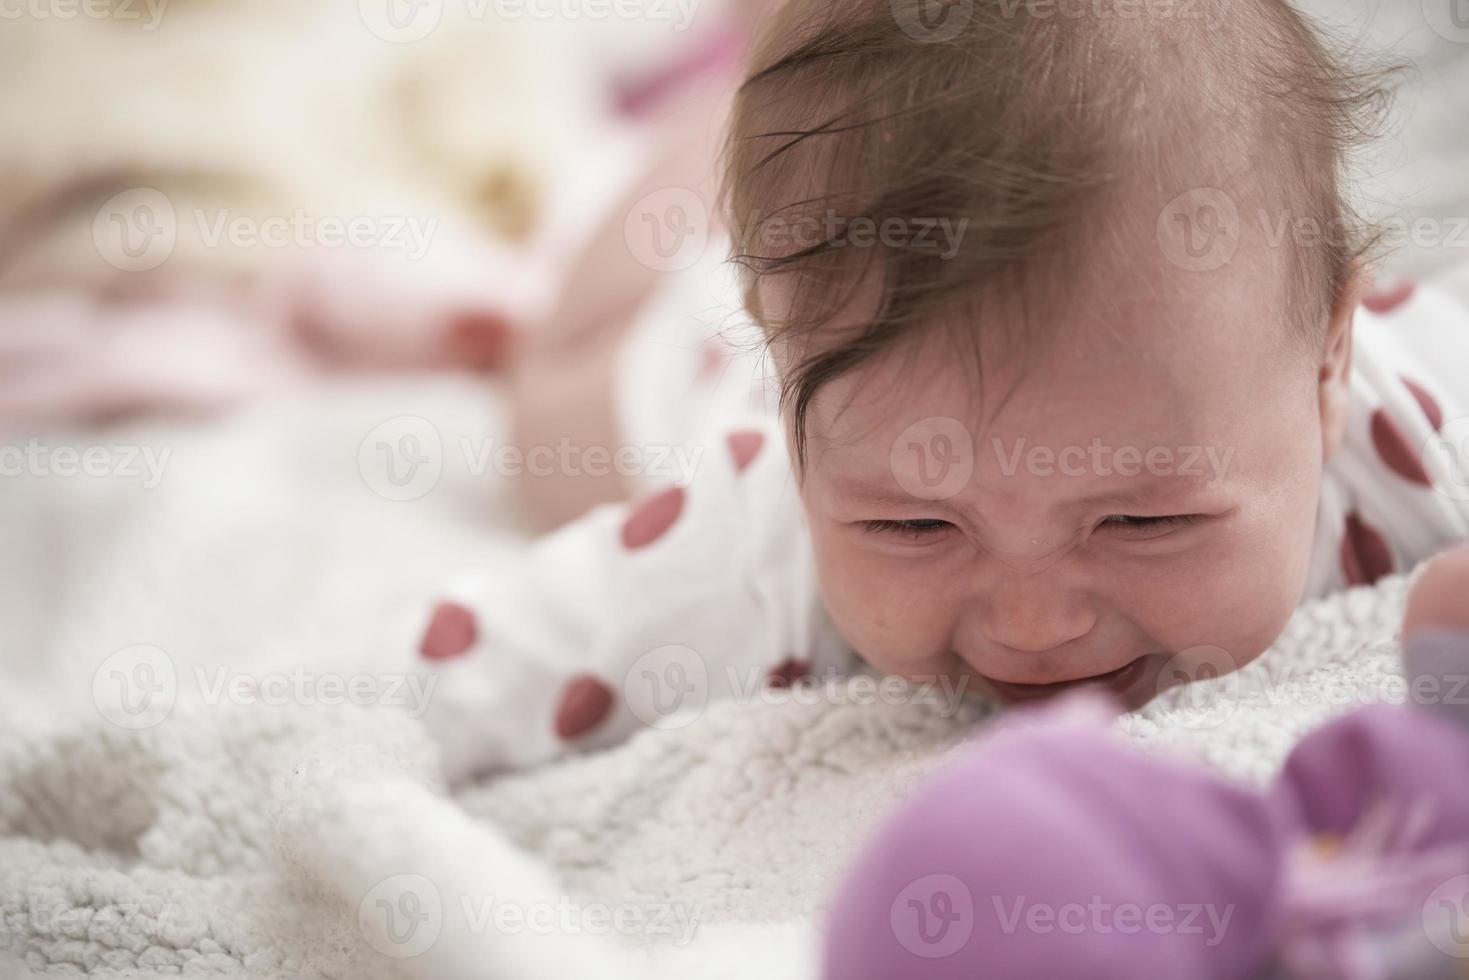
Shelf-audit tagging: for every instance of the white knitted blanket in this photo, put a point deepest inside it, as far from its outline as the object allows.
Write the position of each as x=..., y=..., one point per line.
x=316, y=842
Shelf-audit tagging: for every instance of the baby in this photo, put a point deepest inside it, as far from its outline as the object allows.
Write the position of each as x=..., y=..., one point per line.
x=1077, y=384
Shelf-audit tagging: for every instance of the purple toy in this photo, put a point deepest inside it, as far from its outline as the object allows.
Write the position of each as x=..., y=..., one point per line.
x=1053, y=851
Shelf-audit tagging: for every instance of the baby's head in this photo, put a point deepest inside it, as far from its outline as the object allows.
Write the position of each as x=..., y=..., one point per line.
x=1060, y=295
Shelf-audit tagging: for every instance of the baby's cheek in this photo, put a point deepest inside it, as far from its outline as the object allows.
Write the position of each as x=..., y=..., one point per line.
x=1236, y=595
x=895, y=619
x=1270, y=575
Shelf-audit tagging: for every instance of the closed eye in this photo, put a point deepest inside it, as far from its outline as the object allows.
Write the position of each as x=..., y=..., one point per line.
x=1146, y=527
x=909, y=529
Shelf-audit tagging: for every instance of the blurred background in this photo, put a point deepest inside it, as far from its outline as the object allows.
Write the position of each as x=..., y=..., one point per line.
x=273, y=272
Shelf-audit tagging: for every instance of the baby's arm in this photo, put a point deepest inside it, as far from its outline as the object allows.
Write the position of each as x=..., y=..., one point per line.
x=561, y=377
x=635, y=615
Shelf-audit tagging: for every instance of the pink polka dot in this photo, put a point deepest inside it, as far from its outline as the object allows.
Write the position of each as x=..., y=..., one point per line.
x=1395, y=451
x=788, y=672
x=451, y=631
x=1426, y=402
x=479, y=339
x=585, y=702
x=1365, y=555
x=652, y=518
x=744, y=446
x=1387, y=300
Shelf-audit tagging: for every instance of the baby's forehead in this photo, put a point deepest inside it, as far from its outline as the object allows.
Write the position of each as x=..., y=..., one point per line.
x=1140, y=348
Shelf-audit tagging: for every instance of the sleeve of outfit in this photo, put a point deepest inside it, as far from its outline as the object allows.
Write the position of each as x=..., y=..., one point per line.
x=637, y=615
x=1397, y=490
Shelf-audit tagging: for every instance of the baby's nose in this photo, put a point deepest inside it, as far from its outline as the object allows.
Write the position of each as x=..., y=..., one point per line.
x=1034, y=614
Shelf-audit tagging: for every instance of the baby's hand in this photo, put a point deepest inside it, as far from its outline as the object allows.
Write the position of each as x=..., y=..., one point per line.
x=1436, y=635
x=1440, y=597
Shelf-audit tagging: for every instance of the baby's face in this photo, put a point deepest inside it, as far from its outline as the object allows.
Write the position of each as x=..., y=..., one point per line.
x=1150, y=487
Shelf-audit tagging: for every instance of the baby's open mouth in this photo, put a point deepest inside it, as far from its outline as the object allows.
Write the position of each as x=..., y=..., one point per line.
x=1126, y=682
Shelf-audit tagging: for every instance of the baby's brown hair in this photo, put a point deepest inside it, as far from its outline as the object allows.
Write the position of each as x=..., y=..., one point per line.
x=1018, y=124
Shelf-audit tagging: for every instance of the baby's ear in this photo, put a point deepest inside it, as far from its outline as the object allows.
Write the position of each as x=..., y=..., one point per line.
x=1334, y=374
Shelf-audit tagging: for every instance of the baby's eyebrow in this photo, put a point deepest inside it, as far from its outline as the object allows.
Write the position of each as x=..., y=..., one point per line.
x=872, y=494
x=1162, y=493
x=876, y=493
x=1151, y=494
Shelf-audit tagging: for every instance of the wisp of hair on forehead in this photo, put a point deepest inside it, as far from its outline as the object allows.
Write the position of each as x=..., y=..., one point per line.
x=1018, y=130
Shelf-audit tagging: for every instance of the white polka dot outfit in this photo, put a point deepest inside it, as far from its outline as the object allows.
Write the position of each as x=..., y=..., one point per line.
x=704, y=587
x=1397, y=491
